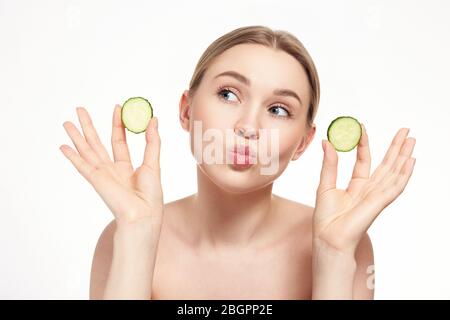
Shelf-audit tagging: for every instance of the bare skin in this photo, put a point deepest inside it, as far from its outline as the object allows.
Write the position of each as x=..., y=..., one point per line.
x=235, y=239
x=278, y=267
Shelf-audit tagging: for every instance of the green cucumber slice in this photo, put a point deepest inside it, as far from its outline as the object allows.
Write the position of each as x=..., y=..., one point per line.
x=136, y=114
x=344, y=133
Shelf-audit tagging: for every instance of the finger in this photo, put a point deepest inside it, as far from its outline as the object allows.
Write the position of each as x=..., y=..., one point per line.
x=91, y=135
x=391, y=154
x=118, y=138
x=328, y=175
x=397, y=182
x=363, y=159
x=405, y=175
x=153, y=144
x=80, y=143
x=366, y=211
x=105, y=187
x=373, y=204
x=78, y=162
x=405, y=154
x=395, y=147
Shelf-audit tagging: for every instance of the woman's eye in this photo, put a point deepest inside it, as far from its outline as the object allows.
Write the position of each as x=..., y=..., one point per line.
x=279, y=111
x=228, y=95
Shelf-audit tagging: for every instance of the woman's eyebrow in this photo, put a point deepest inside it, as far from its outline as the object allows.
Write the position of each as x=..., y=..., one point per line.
x=246, y=81
x=235, y=75
x=287, y=93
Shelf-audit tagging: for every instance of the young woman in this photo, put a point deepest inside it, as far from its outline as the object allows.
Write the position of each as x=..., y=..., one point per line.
x=234, y=238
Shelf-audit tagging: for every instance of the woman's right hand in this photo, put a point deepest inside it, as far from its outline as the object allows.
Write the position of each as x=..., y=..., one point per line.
x=131, y=195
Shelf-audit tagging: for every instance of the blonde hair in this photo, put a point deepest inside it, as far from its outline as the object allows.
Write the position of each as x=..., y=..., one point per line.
x=276, y=39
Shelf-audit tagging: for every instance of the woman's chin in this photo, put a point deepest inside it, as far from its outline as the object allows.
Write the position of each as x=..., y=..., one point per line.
x=236, y=178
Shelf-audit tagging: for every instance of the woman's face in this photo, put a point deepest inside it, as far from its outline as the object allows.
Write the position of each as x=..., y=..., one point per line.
x=247, y=119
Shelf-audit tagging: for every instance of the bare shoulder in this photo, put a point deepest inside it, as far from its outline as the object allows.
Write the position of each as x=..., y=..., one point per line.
x=174, y=215
x=293, y=207
x=300, y=217
x=296, y=221
x=293, y=224
x=365, y=270
x=295, y=214
x=101, y=262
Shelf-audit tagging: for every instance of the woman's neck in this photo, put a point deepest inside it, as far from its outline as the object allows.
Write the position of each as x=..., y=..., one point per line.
x=223, y=219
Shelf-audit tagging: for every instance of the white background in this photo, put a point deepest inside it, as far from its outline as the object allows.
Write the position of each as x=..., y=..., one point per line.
x=384, y=62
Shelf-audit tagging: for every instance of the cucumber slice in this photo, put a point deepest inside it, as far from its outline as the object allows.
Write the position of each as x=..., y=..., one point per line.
x=136, y=114
x=344, y=133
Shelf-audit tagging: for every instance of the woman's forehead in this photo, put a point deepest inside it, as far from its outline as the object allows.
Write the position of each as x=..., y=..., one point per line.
x=261, y=65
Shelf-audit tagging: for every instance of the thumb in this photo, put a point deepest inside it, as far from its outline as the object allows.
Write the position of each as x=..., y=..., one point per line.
x=328, y=174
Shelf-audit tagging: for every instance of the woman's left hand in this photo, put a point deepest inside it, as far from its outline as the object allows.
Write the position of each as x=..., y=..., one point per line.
x=341, y=217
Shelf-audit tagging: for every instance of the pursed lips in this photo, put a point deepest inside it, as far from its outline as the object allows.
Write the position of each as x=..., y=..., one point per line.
x=243, y=150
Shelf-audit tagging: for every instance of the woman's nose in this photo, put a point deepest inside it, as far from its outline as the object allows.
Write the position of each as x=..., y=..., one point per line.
x=246, y=131
x=247, y=124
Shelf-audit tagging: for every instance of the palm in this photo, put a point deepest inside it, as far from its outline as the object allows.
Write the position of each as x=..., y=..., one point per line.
x=141, y=181
x=342, y=216
x=130, y=194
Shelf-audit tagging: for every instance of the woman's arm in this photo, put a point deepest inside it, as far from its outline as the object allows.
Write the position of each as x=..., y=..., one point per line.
x=133, y=262
x=333, y=273
x=134, y=197
x=114, y=257
x=344, y=276
x=342, y=217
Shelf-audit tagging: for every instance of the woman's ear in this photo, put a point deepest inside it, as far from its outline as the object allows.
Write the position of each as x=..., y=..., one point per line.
x=304, y=143
x=185, y=112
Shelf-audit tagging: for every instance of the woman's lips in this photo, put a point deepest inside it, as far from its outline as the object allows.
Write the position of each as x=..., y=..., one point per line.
x=242, y=156
x=243, y=150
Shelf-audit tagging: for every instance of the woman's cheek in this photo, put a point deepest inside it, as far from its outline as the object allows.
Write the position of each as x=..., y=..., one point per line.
x=209, y=131
x=212, y=114
x=287, y=144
